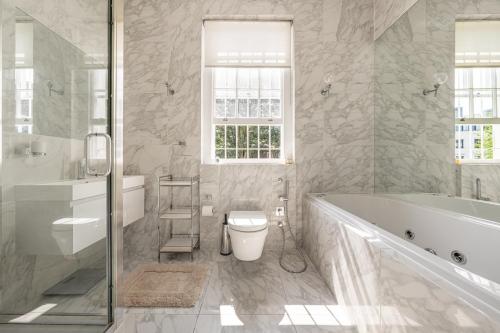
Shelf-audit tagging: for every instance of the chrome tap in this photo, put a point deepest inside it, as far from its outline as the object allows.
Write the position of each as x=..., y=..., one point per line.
x=478, y=191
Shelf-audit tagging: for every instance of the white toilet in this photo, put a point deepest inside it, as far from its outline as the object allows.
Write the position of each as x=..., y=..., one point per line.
x=248, y=231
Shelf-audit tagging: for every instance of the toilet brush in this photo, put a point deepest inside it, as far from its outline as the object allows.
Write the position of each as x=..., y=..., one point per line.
x=225, y=242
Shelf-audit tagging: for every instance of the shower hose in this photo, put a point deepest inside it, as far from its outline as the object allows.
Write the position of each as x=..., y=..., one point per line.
x=282, y=226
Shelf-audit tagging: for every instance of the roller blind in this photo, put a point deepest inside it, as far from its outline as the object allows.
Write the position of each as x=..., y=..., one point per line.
x=247, y=43
x=477, y=43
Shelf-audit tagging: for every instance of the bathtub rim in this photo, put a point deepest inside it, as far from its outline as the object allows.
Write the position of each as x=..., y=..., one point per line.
x=434, y=269
x=475, y=219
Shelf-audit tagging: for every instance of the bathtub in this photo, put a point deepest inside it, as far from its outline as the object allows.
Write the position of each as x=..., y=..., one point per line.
x=452, y=242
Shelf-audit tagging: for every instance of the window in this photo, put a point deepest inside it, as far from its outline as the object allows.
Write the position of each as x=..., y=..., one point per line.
x=477, y=97
x=476, y=104
x=98, y=108
x=24, y=77
x=247, y=114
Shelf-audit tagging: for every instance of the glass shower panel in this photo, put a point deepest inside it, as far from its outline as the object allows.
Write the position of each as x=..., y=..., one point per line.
x=54, y=163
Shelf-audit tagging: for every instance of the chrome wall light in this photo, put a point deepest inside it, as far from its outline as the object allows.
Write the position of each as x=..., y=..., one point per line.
x=50, y=86
x=440, y=79
x=328, y=80
x=170, y=90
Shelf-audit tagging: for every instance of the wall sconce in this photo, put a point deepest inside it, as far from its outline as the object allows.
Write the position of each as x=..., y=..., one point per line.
x=50, y=85
x=440, y=79
x=328, y=80
x=170, y=90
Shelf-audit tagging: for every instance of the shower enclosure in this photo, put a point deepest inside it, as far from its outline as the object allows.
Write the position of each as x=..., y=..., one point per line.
x=56, y=157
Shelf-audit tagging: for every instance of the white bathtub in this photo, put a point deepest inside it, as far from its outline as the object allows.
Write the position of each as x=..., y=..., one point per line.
x=440, y=223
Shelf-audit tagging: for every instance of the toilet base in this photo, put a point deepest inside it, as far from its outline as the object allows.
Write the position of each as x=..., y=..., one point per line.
x=248, y=246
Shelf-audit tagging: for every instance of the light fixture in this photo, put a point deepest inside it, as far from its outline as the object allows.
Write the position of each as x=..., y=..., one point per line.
x=170, y=90
x=440, y=79
x=328, y=80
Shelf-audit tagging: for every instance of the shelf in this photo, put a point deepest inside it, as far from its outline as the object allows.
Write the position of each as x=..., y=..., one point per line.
x=177, y=245
x=179, y=214
x=178, y=181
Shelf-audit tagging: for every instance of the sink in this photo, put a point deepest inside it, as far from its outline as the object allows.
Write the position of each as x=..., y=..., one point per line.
x=71, y=189
x=64, y=217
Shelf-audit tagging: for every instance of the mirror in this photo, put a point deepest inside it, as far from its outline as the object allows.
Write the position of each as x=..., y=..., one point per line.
x=60, y=90
x=437, y=124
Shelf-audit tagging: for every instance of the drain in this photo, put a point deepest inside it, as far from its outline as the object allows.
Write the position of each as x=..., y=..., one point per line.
x=458, y=257
x=428, y=249
x=409, y=234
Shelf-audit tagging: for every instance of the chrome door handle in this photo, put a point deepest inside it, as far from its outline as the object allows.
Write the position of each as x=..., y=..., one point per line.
x=95, y=173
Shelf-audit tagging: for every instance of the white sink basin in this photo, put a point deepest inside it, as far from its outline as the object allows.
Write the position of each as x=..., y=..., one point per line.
x=71, y=189
x=64, y=217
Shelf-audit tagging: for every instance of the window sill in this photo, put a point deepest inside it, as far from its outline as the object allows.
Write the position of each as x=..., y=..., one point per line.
x=478, y=162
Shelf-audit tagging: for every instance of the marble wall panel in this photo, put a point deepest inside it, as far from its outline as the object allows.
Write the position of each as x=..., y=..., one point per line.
x=348, y=263
x=74, y=21
x=412, y=303
x=376, y=287
x=386, y=12
x=490, y=180
x=163, y=43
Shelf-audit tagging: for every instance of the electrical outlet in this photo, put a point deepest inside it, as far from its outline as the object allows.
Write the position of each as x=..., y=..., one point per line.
x=279, y=211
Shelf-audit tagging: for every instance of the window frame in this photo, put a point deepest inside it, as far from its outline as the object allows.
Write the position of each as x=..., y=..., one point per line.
x=471, y=119
x=209, y=121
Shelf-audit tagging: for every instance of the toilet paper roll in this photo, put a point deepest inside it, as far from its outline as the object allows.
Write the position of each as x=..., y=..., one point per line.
x=207, y=211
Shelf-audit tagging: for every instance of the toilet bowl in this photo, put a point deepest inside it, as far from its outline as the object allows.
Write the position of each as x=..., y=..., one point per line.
x=248, y=231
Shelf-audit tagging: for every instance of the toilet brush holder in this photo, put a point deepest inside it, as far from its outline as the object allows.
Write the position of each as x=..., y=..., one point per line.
x=225, y=241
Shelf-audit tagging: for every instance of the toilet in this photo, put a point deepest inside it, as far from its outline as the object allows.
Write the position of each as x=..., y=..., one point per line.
x=248, y=231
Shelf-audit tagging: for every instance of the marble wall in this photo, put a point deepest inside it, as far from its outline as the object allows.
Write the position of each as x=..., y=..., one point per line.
x=376, y=287
x=65, y=113
x=74, y=21
x=414, y=134
x=386, y=12
x=24, y=277
x=333, y=136
x=490, y=180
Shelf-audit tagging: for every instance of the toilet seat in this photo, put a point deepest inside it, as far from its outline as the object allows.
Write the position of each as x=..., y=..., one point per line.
x=247, y=221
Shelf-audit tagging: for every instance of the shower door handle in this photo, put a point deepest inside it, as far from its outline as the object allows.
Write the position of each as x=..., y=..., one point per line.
x=96, y=173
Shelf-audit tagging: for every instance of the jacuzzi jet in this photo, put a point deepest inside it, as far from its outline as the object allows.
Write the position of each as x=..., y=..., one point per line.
x=409, y=234
x=458, y=257
x=428, y=249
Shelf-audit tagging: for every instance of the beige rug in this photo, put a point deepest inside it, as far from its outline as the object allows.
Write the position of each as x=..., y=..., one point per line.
x=164, y=285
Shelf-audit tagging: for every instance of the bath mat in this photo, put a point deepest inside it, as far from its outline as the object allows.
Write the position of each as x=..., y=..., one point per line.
x=78, y=283
x=164, y=285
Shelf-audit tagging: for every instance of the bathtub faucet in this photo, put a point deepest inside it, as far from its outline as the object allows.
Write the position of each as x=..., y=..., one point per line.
x=478, y=191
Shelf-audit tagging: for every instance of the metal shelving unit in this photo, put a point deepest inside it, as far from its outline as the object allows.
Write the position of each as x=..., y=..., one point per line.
x=190, y=213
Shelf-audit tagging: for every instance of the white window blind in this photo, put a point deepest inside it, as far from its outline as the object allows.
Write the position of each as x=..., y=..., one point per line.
x=247, y=43
x=478, y=43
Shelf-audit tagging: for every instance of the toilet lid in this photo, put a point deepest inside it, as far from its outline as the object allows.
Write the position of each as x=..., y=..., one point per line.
x=247, y=220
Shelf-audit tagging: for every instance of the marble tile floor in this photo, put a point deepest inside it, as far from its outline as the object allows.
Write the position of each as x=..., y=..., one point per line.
x=92, y=303
x=245, y=297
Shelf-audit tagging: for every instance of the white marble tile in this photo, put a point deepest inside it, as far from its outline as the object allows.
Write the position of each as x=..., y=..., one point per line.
x=242, y=323
x=154, y=323
x=387, y=12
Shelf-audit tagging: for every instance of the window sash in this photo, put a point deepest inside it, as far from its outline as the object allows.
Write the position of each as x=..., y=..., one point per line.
x=248, y=147
x=248, y=120
x=470, y=92
x=285, y=121
x=471, y=89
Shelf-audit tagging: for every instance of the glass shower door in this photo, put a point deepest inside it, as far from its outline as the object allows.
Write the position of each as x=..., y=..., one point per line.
x=55, y=163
